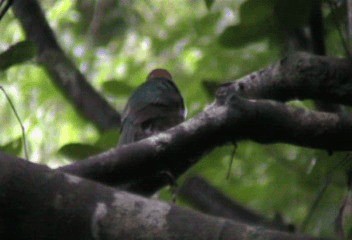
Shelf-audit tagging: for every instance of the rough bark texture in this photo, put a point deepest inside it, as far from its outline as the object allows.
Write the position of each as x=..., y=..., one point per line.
x=317, y=35
x=39, y=203
x=63, y=72
x=300, y=76
x=230, y=119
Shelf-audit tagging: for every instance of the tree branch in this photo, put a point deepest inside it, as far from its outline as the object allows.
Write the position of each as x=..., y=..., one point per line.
x=86, y=100
x=229, y=119
x=300, y=76
x=38, y=203
x=316, y=26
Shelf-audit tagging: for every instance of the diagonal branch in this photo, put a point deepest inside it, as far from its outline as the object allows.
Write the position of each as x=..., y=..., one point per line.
x=229, y=119
x=38, y=203
x=63, y=72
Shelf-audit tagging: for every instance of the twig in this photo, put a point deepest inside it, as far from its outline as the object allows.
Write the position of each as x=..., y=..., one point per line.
x=20, y=122
x=4, y=9
x=322, y=190
x=231, y=161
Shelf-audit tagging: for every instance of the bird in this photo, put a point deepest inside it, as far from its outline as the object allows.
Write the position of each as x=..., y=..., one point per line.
x=153, y=107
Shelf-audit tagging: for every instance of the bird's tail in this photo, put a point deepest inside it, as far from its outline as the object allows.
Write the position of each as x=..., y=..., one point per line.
x=127, y=133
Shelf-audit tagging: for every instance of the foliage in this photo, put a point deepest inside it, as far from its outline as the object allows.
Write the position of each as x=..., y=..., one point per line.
x=196, y=41
x=18, y=53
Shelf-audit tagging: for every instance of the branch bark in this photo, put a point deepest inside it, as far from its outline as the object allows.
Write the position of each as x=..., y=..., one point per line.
x=317, y=33
x=63, y=72
x=229, y=119
x=299, y=76
x=39, y=203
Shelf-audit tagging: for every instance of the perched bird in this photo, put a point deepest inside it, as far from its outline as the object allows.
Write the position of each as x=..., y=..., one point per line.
x=155, y=106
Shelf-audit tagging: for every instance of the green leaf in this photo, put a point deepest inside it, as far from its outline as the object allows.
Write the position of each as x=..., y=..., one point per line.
x=16, y=54
x=293, y=14
x=240, y=35
x=209, y=3
x=207, y=24
x=108, y=139
x=78, y=151
x=117, y=88
x=13, y=147
x=109, y=29
x=256, y=11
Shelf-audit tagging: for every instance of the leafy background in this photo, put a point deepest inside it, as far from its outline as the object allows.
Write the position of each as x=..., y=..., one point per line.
x=197, y=41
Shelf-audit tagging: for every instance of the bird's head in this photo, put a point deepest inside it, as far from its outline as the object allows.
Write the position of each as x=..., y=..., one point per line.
x=159, y=73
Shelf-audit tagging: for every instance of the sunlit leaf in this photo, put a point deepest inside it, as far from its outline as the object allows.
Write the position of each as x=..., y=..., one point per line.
x=60, y=9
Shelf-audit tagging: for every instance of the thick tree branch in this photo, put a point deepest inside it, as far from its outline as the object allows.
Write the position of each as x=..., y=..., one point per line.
x=300, y=76
x=38, y=203
x=229, y=119
x=62, y=70
x=211, y=201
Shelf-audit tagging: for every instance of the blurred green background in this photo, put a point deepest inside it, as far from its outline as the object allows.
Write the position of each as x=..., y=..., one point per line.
x=116, y=43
